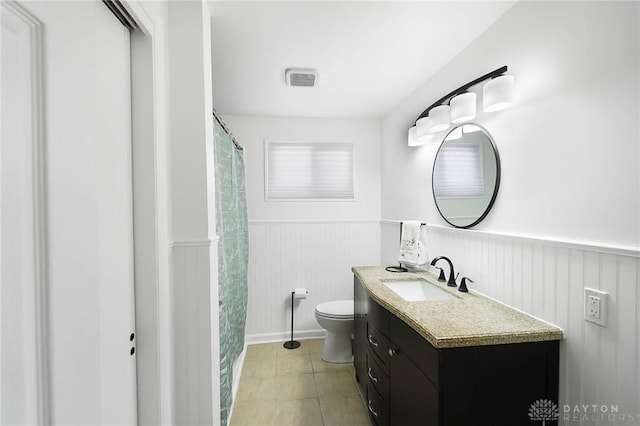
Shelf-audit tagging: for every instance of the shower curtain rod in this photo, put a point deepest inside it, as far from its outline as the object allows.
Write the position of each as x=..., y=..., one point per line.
x=226, y=129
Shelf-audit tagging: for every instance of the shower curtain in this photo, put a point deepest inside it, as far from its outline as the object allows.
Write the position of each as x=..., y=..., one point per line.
x=233, y=253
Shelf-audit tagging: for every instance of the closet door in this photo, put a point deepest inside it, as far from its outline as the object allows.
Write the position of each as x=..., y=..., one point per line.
x=77, y=309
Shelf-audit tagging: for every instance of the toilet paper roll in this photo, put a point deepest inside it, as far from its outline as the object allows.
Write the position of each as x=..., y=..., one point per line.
x=300, y=293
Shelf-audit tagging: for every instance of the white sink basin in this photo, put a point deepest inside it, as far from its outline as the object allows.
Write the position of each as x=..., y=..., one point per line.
x=418, y=290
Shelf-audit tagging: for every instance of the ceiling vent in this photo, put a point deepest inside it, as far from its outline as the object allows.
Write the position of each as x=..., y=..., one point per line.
x=299, y=77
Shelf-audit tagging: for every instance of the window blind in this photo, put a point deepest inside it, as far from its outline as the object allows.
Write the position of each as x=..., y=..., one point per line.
x=458, y=171
x=309, y=171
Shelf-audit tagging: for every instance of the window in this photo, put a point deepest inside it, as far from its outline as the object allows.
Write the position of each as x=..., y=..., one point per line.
x=458, y=172
x=309, y=171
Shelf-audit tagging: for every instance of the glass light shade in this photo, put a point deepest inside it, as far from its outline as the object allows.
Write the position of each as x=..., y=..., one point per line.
x=423, y=132
x=413, y=138
x=470, y=128
x=463, y=107
x=455, y=134
x=439, y=118
x=497, y=94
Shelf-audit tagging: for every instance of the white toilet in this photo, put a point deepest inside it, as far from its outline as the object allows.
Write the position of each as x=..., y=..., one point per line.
x=337, y=318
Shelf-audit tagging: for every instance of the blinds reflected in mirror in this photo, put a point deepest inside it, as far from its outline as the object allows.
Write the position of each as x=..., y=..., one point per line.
x=458, y=171
x=309, y=171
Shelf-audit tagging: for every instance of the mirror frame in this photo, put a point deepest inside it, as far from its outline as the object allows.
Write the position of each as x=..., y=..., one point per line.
x=495, y=189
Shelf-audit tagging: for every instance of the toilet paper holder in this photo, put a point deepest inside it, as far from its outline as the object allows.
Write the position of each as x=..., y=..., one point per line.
x=297, y=293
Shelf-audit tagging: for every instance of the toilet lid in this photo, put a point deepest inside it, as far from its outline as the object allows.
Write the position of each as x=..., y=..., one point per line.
x=336, y=309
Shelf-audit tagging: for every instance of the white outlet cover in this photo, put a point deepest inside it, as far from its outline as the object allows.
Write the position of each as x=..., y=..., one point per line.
x=602, y=319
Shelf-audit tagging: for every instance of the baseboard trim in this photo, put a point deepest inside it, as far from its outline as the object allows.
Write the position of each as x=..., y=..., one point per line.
x=193, y=243
x=252, y=339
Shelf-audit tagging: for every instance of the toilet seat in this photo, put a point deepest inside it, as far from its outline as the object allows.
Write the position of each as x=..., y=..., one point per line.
x=338, y=309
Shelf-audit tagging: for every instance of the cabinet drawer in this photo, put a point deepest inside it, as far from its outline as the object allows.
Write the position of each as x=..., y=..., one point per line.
x=379, y=346
x=377, y=377
x=416, y=348
x=379, y=317
x=378, y=408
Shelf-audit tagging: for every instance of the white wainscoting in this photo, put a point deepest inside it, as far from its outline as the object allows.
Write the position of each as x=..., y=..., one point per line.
x=316, y=255
x=195, y=334
x=546, y=279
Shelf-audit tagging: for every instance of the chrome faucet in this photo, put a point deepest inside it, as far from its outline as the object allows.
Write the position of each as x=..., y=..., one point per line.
x=452, y=276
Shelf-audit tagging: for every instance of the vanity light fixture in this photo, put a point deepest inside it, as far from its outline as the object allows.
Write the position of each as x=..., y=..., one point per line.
x=471, y=128
x=463, y=107
x=413, y=138
x=440, y=118
x=456, y=133
x=497, y=94
x=460, y=131
x=459, y=106
x=423, y=130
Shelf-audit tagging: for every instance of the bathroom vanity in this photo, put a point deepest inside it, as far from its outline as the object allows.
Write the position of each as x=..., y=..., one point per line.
x=466, y=360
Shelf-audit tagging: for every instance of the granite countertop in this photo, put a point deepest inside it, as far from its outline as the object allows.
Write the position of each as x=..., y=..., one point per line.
x=469, y=319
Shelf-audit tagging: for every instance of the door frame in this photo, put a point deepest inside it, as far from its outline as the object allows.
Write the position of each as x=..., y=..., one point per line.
x=150, y=219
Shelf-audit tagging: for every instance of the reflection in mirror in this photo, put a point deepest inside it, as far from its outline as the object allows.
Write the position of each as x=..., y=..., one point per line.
x=466, y=175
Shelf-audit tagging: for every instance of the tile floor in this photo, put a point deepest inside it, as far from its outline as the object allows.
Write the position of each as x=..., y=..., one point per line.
x=281, y=387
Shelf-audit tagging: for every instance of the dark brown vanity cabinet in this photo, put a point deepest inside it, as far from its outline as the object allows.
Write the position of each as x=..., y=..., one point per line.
x=406, y=381
x=360, y=309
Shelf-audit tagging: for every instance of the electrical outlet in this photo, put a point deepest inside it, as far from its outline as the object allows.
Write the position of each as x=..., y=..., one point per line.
x=595, y=306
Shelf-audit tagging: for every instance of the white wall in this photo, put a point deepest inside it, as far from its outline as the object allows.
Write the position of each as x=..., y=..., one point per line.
x=306, y=244
x=364, y=134
x=196, y=366
x=569, y=145
x=570, y=174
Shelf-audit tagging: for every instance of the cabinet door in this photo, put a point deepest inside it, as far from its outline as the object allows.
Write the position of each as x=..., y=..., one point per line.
x=360, y=333
x=416, y=348
x=413, y=398
x=497, y=384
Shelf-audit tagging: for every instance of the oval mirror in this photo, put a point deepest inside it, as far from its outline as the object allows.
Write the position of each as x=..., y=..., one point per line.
x=466, y=175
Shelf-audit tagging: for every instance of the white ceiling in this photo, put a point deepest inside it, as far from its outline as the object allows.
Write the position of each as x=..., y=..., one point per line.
x=370, y=55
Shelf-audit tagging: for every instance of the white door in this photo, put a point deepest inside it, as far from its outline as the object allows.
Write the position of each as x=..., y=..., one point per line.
x=66, y=241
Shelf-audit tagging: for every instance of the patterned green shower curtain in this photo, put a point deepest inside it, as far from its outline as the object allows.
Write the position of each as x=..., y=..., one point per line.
x=233, y=254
